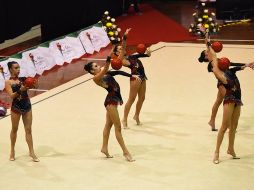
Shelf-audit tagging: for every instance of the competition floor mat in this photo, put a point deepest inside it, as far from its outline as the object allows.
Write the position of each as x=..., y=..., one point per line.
x=173, y=147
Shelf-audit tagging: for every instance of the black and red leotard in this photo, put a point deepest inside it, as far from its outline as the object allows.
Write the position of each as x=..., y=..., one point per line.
x=136, y=65
x=20, y=104
x=114, y=94
x=233, y=89
x=209, y=68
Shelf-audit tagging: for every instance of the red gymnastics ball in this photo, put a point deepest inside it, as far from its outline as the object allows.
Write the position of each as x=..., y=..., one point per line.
x=116, y=63
x=29, y=82
x=141, y=48
x=217, y=46
x=223, y=63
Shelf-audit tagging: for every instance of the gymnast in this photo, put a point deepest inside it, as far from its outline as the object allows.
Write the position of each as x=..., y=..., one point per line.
x=232, y=102
x=221, y=89
x=137, y=88
x=21, y=106
x=105, y=78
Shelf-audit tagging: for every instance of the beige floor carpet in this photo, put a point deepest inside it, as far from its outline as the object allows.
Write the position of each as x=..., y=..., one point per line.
x=173, y=148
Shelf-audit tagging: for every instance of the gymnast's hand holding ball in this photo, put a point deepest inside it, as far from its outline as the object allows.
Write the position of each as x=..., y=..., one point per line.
x=30, y=82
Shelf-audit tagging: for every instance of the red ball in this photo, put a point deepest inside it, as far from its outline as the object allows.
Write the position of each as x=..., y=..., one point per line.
x=141, y=48
x=223, y=63
x=116, y=63
x=217, y=46
x=29, y=82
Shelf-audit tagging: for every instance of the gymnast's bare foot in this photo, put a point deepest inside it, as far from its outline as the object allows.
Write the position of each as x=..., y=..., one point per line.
x=136, y=118
x=128, y=157
x=125, y=125
x=12, y=156
x=104, y=151
x=216, y=158
x=232, y=153
x=212, y=124
x=34, y=157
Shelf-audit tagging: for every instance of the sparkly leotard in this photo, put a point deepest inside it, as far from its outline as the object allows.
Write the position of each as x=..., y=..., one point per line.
x=136, y=66
x=114, y=95
x=209, y=68
x=233, y=89
x=20, y=104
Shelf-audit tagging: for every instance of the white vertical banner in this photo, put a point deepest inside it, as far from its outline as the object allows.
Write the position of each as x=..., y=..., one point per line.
x=56, y=52
x=40, y=58
x=46, y=57
x=2, y=82
x=77, y=46
x=62, y=51
x=27, y=69
x=23, y=69
x=6, y=73
x=98, y=37
x=85, y=39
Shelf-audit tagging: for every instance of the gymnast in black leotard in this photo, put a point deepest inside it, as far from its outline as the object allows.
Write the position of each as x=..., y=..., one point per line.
x=221, y=89
x=233, y=89
x=21, y=107
x=136, y=65
x=114, y=95
x=105, y=79
x=232, y=102
x=20, y=104
x=136, y=88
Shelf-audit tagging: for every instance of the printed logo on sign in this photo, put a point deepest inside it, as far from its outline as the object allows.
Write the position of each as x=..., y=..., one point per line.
x=31, y=56
x=59, y=47
x=64, y=48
